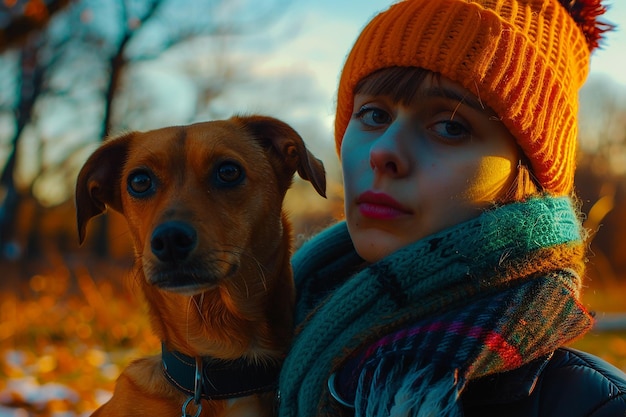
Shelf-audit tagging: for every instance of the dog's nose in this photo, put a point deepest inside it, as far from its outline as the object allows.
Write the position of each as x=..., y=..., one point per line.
x=173, y=241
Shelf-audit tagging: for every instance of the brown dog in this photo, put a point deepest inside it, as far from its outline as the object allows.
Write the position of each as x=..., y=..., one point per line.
x=204, y=208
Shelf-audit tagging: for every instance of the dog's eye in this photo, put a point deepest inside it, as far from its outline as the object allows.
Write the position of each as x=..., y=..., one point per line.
x=230, y=173
x=139, y=183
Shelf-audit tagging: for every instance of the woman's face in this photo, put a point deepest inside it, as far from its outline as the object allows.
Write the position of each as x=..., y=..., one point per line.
x=411, y=170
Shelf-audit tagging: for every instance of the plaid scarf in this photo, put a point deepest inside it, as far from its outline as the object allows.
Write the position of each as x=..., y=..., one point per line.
x=483, y=297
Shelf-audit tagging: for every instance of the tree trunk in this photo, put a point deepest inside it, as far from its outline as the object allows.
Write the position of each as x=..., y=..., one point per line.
x=30, y=84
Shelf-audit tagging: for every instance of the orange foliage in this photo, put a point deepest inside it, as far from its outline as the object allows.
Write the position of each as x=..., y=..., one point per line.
x=62, y=347
x=36, y=10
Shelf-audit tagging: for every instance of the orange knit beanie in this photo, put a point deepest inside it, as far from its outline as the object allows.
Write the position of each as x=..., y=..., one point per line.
x=526, y=59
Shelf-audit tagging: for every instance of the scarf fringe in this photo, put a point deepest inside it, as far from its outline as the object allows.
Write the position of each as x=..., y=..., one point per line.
x=419, y=394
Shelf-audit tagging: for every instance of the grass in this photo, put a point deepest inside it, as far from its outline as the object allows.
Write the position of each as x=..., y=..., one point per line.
x=65, y=335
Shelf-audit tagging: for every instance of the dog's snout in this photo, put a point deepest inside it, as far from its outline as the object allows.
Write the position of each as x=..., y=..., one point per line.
x=173, y=241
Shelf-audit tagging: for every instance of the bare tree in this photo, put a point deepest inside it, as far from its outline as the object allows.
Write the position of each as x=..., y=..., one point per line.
x=74, y=66
x=22, y=18
x=30, y=82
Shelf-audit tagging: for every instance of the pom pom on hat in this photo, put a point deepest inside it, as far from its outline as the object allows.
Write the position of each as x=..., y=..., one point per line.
x=585, y=13
x=526, y=59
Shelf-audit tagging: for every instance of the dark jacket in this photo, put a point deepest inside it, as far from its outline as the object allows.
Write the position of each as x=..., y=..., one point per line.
x=568, y=383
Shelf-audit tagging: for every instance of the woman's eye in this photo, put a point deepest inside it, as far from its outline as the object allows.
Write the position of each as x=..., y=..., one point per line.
x=450, y=129
x=373, y=116
x=140, y=183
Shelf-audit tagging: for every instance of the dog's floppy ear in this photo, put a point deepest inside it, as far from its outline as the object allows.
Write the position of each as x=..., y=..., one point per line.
x=97, y=185
x=289, y=144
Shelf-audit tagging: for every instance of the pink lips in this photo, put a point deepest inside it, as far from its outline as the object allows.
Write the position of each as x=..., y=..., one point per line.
x=380, y=206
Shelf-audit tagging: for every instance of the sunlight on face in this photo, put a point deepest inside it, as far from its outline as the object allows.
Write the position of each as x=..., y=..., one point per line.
x=414, y=169
x=492, y=177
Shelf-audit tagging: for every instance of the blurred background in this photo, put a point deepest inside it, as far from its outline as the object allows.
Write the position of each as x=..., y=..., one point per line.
x=75, y=72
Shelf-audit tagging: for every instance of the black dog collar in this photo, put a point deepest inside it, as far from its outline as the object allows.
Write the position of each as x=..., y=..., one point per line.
x=217, y=379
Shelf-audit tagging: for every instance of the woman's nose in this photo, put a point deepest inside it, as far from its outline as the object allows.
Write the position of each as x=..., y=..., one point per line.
x=387, y=154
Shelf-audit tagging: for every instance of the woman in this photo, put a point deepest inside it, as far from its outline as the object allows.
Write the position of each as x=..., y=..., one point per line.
x=454, y=284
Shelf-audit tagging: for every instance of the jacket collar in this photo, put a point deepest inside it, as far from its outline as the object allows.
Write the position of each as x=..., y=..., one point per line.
x=217, y=379
x=505, y=387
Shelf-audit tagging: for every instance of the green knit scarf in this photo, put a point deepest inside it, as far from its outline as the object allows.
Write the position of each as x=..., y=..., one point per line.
x=485, y=296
